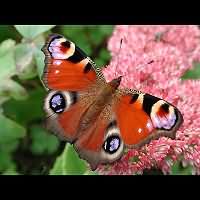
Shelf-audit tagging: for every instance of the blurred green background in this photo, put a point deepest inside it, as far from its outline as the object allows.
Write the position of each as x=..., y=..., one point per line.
x=26, y=147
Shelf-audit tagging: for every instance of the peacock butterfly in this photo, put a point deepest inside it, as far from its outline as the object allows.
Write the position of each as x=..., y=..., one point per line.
x=97, y=117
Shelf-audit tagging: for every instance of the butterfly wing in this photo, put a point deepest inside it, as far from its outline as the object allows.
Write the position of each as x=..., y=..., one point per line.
x=67, y=67
x=101, y=143
x=65, y=110
x=73, y=81
x=142, y=117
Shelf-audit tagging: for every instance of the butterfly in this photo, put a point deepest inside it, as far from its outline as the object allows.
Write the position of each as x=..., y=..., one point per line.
x=97, y=117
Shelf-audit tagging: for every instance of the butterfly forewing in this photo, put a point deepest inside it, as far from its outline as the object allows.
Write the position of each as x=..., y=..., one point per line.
x=67, y=67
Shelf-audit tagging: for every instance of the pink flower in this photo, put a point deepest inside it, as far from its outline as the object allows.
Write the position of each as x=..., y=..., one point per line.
x=173, y=49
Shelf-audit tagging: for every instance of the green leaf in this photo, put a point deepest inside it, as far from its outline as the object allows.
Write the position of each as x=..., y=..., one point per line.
x=20, y=110
x=106, y=29
x=13, y=89
x=29, y=72
x=9, y=146
x=10, y=130
x=42, y=141
x=29, y=54
x=24, y=61
x=6, y=46
x=8, y=31
x=3, y=99
x=99, y=32
x=178, y=169
x=10, y=171
x=6, y=161
x=194, y=73
x=103, y=58
x=39, y=42
x=39, y=59
x=69, y=163
x=89, y=172
x=134, y=159
x=71, y=31
x=31, y=31
x=7, y=65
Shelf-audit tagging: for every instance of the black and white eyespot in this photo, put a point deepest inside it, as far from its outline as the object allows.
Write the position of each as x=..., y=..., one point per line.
x=111, y=149
x=61, y=48
x=57, y=102
x=113, y=145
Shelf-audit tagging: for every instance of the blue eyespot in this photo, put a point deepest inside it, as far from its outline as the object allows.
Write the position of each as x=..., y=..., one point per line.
x=112, y=144
x=57, y=103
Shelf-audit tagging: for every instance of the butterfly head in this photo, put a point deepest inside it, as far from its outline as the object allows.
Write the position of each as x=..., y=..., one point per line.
x=116, y=82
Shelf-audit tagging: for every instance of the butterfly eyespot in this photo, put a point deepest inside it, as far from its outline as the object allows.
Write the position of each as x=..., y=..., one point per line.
x=112, y=144
x=165, y=107
x=57, y=103
x=66, y=44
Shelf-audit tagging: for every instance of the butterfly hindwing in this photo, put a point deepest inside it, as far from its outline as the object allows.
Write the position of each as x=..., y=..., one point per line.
x=142, y=117
x=67, y=67
x=63, y=113
x=101, y=143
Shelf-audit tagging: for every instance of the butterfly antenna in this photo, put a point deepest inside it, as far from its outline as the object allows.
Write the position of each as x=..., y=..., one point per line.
x=118, y=57
x=141, y=66
x=149, y=62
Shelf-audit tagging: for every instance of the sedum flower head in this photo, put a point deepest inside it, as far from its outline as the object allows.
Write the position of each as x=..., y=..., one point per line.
x=173, y=50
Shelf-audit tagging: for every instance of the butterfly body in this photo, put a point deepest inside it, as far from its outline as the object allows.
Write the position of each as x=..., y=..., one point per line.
x=97, y=117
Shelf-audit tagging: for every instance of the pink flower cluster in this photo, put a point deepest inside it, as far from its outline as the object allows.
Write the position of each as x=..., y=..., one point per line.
x=174, y=50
